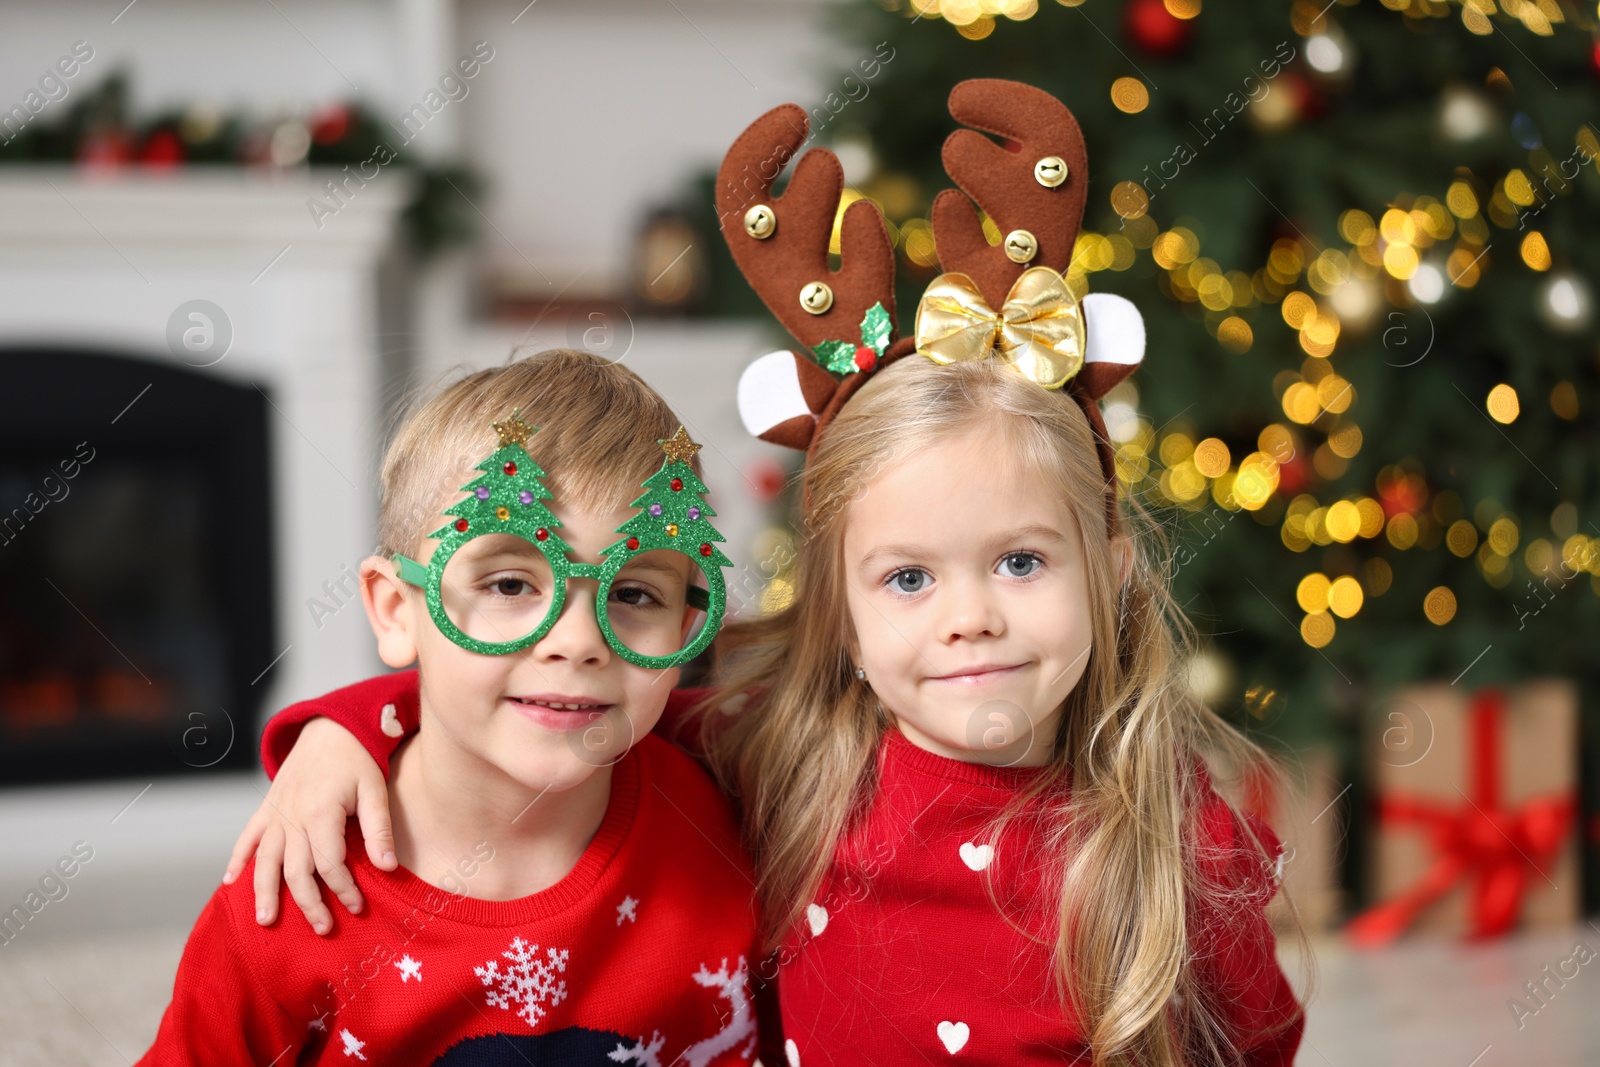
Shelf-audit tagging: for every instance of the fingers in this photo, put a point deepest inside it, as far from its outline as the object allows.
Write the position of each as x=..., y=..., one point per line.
x=269, y=864
x=242, y=848
x=327, y=849
x=299, y=872
x=372, y=809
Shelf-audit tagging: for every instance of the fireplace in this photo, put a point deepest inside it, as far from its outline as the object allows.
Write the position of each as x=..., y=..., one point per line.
x=136, y=551
x=177, y=528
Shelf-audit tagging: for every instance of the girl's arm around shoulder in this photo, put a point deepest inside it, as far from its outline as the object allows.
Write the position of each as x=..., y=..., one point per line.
x=221, y=1010
x=381, y=712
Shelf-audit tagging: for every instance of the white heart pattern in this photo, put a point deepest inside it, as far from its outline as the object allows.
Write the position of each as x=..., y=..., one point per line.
x=976, y=857
x=816, y=918
x=390, y=721
x=791, y=1052
x=954, y=1035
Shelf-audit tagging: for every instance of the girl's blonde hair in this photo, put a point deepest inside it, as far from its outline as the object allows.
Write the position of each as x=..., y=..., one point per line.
x=599, y=428
x=800, y=756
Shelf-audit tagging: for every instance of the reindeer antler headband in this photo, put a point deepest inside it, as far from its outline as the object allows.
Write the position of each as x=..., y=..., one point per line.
x=1007, y=302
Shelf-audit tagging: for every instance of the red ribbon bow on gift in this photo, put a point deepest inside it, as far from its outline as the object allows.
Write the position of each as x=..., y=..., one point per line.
x=1500, y=850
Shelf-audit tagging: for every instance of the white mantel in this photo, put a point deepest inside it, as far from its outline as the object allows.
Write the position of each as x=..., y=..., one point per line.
x=103, y=261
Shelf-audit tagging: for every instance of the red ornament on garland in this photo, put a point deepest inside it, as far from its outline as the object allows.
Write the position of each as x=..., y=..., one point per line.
x=330, y=124
x=162, y=150
x=461, y=525
x=677, y=485
x=542, y=534
x=510, y=469
x=705, y=549
x=633, y=543
x=1154, y=29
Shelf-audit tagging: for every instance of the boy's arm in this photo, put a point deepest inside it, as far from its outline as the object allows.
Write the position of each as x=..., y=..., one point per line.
x=219, y=1012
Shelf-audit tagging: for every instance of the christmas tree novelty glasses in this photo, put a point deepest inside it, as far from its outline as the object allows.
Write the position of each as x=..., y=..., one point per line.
x=497, y=581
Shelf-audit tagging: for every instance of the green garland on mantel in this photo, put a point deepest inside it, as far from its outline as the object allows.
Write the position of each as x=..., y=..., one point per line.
x=93, y=128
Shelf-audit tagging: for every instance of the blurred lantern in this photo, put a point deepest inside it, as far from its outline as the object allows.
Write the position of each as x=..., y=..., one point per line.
x=669, y=262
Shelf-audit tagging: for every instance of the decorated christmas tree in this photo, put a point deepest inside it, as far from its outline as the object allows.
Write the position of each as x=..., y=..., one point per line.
x=508, y=497
x=1362, y=236
x=673, y=510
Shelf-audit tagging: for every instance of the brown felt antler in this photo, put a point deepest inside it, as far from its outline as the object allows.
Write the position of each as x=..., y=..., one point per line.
x=781, y=246
x=794, y=252
x=1009, y=185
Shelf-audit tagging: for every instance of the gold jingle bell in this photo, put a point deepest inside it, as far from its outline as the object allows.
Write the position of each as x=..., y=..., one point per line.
x=1021, y=246
x=1050, y=171
x=816, y=297
x=760, y=222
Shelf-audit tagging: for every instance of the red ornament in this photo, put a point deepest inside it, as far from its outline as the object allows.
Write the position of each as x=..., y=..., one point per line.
x=162, y=150
x=705, y=550
x=677, y=484
x=766, y=479
x=1154, y=29
x=510, y=469
x=542, y=534
x=461, y=525
x=633, y=543
x=330, y=124
x=866, y=358
x=105, y=148
x=1595, y=57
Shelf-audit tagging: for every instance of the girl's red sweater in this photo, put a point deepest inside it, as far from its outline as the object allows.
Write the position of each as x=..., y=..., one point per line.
x=930, y=940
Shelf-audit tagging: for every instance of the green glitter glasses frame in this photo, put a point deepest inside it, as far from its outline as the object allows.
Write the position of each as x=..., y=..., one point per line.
x=506, y=591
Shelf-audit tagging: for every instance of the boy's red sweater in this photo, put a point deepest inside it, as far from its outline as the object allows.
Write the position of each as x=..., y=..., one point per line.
x=904, y=956
x=642, y=954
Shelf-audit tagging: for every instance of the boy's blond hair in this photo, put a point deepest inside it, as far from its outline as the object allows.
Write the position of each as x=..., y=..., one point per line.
x=599, y=428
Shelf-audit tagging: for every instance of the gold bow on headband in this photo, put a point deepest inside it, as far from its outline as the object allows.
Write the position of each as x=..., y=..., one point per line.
x=1039, y=329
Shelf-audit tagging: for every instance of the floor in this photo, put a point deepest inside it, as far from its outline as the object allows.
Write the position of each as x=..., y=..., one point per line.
x=86, y=981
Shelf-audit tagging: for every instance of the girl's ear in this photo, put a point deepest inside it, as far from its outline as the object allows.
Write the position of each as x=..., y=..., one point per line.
x=1122, y=552
x=389, y=611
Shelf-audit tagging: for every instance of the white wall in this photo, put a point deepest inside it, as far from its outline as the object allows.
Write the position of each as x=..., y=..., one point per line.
x=590, y=112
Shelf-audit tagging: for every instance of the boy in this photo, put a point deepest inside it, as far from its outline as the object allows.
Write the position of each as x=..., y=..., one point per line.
x=615, y=927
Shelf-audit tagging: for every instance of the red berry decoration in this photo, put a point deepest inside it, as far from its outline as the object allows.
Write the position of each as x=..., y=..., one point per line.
x=633, y=543
x=705, y=550
x=510, y=469
x=542, y=534
x=461, y=525
x=866, y=358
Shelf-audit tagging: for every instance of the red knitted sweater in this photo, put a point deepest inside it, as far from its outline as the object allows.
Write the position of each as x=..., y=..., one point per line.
x=903, y=957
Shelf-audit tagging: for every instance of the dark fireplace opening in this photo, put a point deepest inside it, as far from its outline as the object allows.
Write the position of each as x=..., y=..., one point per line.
x=137, y=620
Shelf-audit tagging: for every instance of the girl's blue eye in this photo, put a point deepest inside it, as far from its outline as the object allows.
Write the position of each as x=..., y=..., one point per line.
x=909, y=580
x=1020, y=565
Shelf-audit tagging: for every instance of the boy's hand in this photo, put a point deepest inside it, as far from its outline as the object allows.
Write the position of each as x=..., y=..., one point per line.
x=299, y=828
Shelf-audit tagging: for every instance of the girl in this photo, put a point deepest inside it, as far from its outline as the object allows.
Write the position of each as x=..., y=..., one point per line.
x=968, y=766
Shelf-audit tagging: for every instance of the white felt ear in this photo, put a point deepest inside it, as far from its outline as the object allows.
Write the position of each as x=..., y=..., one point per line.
x=769, y=392
x=1115, y=329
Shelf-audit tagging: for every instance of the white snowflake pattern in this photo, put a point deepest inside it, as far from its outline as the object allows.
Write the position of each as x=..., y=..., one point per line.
x=352, y=1047
x=628, y=909
x=409, y=968
x=640, y=1053
x=529, y=984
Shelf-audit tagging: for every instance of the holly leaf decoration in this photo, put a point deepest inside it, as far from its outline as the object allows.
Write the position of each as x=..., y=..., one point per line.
x=837, y=356
x=875, y=328
x=843, y=357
